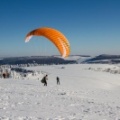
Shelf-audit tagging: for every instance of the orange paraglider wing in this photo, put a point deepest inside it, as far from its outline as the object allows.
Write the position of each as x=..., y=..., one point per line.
x=56, y=37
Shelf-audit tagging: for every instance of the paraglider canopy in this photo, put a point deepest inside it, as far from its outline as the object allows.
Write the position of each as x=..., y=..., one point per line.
x=55, y=36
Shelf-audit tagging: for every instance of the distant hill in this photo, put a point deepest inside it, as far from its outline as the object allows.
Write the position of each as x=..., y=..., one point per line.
x=104, y=58
x=72, y=59
x=34, y=60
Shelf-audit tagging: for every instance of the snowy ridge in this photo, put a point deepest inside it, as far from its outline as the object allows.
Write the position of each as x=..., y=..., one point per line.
x=104, y=58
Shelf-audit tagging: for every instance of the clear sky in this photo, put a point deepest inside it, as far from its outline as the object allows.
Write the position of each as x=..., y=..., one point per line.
x=91, y=26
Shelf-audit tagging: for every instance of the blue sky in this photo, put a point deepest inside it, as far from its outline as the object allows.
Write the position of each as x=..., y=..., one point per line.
x=91, y=26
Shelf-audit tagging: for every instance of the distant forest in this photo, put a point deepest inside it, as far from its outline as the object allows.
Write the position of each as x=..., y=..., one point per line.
x=34, y=60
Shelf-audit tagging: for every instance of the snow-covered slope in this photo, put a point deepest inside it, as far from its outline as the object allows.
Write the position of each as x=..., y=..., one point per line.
x=84, y=94
x=76, y=58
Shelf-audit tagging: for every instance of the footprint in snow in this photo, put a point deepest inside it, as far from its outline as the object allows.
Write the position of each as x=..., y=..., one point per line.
x=62, y=93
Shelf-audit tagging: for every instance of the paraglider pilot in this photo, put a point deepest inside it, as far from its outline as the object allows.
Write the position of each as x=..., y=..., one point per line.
x=44, y=80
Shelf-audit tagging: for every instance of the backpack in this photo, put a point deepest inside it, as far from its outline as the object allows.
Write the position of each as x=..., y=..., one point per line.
x=43, y=80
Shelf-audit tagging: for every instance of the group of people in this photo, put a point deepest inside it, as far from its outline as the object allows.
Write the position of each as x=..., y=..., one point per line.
x=45, y=78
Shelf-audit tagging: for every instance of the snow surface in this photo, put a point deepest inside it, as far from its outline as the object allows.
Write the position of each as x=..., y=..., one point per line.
x=86, y=92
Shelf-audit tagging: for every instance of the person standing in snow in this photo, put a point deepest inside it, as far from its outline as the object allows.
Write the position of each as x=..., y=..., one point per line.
x=4, y=75
x=58, y=80
x=44, y=80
